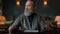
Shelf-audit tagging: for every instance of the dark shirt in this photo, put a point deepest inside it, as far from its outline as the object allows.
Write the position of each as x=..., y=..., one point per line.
x=31, y=19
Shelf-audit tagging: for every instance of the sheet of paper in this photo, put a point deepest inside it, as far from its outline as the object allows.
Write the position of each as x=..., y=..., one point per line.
x=31, y=31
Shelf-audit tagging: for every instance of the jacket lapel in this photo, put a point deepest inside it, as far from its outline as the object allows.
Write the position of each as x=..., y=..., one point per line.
x=34, y=23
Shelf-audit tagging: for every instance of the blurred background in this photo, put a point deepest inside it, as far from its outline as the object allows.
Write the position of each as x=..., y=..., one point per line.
x=11, y=9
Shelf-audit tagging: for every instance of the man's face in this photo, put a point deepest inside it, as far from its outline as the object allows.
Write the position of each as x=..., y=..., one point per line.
x=28, y=8
x=28, y=5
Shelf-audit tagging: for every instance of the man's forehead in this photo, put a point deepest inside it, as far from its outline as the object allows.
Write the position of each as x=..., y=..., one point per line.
x=29, y=2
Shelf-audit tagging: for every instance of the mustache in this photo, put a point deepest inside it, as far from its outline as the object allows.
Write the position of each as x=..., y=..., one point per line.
x=28, y=10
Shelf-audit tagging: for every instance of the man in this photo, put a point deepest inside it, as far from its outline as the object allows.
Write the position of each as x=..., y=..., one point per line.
x=29, y=20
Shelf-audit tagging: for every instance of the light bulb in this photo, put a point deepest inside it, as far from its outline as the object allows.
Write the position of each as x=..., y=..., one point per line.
x=45, y=3
x=18, y=3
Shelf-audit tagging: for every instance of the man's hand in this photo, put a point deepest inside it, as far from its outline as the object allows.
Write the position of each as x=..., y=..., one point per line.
x=11, y=28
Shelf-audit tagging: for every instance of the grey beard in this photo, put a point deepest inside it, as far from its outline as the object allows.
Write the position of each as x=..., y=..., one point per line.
x=27, y=13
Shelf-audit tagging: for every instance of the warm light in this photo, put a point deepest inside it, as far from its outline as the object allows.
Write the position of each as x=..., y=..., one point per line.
x=45, y=3
x=18, y=3
x=2, y=23
x=57, y=19
x=2, y=20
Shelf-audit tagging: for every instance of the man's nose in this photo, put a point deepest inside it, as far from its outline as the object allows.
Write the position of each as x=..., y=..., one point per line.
x=26, y=7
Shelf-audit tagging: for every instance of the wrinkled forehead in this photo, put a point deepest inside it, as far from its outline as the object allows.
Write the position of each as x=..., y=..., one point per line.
x=29, y=3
